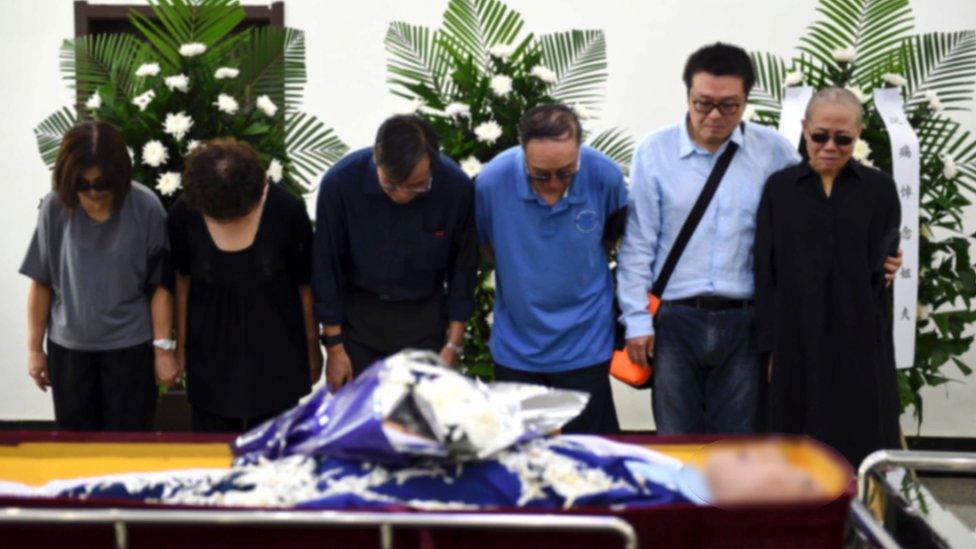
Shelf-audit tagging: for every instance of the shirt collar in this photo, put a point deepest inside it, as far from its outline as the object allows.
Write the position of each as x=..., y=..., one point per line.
x=688, y=145
x=853, y=167
x=573, y=194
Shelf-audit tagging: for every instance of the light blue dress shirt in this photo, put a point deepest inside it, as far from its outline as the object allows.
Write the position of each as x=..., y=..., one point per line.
x=667, y=175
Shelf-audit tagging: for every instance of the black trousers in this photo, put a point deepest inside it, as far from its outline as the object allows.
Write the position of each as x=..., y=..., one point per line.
x=103, y=390
x=363, y=356
x=599, y=415
x=207, y=422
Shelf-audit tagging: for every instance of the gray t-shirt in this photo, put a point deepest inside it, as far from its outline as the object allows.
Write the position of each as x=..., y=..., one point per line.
x=102, y=274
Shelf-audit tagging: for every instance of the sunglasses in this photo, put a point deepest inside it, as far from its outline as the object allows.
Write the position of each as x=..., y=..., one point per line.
x=562, y=177
x=98, y=185
x=839, y=140
x=727, y=108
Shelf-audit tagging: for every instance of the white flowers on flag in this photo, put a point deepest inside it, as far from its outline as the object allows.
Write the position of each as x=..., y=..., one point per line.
x=893, y=79
x=471, y=166
x=143, y=101
x=275, y=170
x=501, y=85
x=192, y=49
x=502, y=51
x=933, y=98
x=226, y=104
x=488, y=132
x=168, y=183
x=154, y=154
x=862, y=152
x=859, y=93
x=178, y=82
x=458, y=110
x=267, y=106
x=543, y=73
x=177, y=125
x=226, y=72
x=148, y=69
x=94, y=102
x=794, y=78
x=845, y=55
x=949, y=168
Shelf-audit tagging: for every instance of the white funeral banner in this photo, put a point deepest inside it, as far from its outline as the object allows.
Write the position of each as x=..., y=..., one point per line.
x=905, y=170
x=794, y=106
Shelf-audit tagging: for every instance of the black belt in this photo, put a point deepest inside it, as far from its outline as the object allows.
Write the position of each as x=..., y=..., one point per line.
x=711, y=303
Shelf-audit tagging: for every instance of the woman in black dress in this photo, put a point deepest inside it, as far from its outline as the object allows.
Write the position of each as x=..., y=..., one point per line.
x=823, y=231
x=242, y=253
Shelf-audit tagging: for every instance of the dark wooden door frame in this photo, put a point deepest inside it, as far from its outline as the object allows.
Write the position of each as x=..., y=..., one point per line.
x=273, y=14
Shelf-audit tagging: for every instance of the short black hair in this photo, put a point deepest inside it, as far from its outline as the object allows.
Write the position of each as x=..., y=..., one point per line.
x=550, y=121
x=223, y=178
x=401, y=142
x=721, y=60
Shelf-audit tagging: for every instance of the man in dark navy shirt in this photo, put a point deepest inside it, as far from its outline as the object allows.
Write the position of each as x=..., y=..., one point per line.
x=395, y=256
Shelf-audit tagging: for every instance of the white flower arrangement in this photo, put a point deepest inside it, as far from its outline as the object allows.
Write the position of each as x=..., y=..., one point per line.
x=502, y=51
x=543, y=73
x=224, y=73
x=949, y=168
x=94, y=102
x=845, y=55
x=192, y=49
x=501, y=85
x=275, y=170
x=177, y=125
x=226, y=104
x=177, y=82
x=458, y=110
x=862, y=152
x=894, y=80
x=194, y=143
x=148, y=69
x=859, y=93
x=168, y=183
x=267, y=106
x=143, y=101
x=471, y=166
x=934, y=102
x=488, y=132
x=154, y=154
x=794, y=78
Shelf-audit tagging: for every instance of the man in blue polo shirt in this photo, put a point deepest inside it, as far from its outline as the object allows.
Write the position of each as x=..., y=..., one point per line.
x=548, y=212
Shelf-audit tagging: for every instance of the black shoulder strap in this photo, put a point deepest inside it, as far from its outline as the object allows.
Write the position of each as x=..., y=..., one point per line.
x=697, y=211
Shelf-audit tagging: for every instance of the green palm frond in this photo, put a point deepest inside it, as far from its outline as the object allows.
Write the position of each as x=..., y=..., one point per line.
x=579, y=59
x=616, y=143
x=767, y=92
x=185, y=21
x=416, y=58
x=311, y=146
x=942, y=62
x=272, y=62
x=51, y=130
x=474, y=26
x=92, y=62
x=872, y=27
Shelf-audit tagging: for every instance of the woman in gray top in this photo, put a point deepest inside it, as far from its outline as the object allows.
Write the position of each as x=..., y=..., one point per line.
x=98, y=260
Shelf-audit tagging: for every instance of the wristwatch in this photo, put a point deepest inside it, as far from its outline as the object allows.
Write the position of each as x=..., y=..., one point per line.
x=165, y=344
x=456, y=348
x=330, y=340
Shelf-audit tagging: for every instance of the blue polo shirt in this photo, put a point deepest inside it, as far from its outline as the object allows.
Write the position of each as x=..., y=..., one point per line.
x=553, y=297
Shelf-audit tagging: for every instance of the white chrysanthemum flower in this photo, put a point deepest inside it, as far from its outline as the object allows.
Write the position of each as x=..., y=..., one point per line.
x=168, y=183
x=143, y=101
x=154, y=154
x=226, y=72
x=471, y=166
x=276, y=170
x=859, y=93
x=749, y=113
x=794, y=78
x=148, y=69
x=934, y=102
x=924, y=311
x=502, y=51
x=949, y=168
x=543, y=73
x=227, y=104
x=488, y=132
x=845, y=55
x=192, y=49
x=94, y=102
x=177, y=125
x=194, y=143
x=179, y=82
x=267, y=106
x=581, y=111
x=501, y=85
x=862, y=151
x=458, y=110
x=893, y=79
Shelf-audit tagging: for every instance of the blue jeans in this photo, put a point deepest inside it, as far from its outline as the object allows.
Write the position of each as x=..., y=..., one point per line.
x=706, y=371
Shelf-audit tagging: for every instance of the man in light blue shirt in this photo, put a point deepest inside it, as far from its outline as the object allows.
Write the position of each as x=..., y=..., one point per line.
x=706, y=361
x=547, y=212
